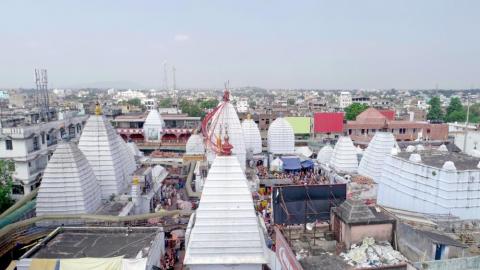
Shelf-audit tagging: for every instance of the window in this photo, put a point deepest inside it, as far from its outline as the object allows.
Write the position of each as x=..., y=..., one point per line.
x=16, y=189
x=9, y=144
x=363, y=131
x=43, y=137
x=350, y=132
x=36, y=146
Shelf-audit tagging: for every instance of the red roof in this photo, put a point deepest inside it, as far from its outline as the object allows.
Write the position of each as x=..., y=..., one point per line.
x=328, y=122
x=370, y=115
x=390, y=114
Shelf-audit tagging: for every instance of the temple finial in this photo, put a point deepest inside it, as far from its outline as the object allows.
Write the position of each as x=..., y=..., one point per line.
x=98, y=109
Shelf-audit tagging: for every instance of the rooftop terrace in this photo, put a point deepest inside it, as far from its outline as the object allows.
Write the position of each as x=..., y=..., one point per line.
x=95, y=242
x=437, y=159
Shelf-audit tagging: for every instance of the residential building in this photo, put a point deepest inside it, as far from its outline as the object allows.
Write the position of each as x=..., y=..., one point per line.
x=371, y=121
x=31, y=146
x=344, y=100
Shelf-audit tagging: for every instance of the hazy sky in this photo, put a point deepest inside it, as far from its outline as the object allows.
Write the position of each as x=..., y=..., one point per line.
x=284, y=44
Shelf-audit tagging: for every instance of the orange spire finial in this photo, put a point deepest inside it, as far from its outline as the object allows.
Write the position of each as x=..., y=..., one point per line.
x=226, y=147
x=226, y=93
x=98, y=109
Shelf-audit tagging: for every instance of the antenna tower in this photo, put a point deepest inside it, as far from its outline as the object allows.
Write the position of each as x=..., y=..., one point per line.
x=41, y=95
x=174, y=79
x=165, y=75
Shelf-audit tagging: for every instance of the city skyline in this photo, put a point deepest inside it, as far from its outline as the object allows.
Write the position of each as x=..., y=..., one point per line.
x=341, y=45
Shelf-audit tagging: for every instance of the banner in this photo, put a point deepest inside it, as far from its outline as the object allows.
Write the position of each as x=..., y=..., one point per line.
x=284, y=253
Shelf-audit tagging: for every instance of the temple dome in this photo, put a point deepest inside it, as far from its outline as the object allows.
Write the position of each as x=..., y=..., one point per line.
x=252, y=137
x=379, y=147
x=225, y=121
x=103, y=150
x=344, y=156
x=69, y=185
x=129, y=159
x=281, y=139
x=134, y=149
x=226, y=229
x=153, y=126
x=325, y=154
x=195, y=145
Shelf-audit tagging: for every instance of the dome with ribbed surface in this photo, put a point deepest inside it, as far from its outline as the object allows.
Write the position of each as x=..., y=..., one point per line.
x=103, y=150
x=344, y=156
x=379, y=147
x=325, y=154
x=226, y=232
x=69, y=185
x=225, y=120
x=251, y=134
x=195, y=145
x=134, y=149
x=129, y=159
x=281, y=139
x=153, y=126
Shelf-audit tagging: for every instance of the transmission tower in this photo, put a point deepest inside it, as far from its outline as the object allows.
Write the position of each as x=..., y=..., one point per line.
x=41, y=96
x=174, y=79
x=165, y=75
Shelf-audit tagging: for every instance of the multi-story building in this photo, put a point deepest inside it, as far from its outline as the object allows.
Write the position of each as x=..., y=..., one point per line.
x=242, y=106
x=344, y=100
x=361, y=99
x=30, y=147
x=372, y=120
x=177, y=130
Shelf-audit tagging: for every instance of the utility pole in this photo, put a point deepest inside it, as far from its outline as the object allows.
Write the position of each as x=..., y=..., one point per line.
x=466, y=126
x=174, y=79
x=165, y=75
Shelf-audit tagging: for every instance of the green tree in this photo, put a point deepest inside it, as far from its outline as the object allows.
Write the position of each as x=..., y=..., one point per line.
x=355, y=109
x=5, y=184
x=165, y=103
x=435, y=112
x=291, y=101
x=135, y=102
x=455, y=111
x=474, y=116
x=191, y=108
x=209, y=104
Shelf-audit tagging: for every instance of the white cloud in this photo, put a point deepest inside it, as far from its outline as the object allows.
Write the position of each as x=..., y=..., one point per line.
x=181, y=37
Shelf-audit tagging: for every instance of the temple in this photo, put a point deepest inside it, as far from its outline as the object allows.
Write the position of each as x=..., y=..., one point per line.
x=281, y=139
x=153, y=126
x=225, y=232
x=251, y=133
x=69, y=185
x=325, y=154
x=103, y=149
x=344, y=156
x=372, y=161
x=224, y=120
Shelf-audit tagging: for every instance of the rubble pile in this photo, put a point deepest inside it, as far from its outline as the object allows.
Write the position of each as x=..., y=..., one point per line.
x=371, y=254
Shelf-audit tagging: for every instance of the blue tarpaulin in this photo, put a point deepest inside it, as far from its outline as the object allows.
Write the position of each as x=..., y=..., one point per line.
x=291, y=164
x=307, y=164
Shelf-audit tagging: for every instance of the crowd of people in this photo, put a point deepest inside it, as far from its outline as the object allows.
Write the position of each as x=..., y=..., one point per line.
x=172, y=247
x=301, y=177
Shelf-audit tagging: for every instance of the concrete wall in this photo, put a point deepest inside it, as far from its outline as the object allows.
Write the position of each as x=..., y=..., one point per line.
x=417, y=247
x=226, y=267
x=468, y=263
x=380, y=232
x=420, y=188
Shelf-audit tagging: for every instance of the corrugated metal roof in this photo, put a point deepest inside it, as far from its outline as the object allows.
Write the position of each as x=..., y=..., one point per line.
x=326, y=122
x=226, y=228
